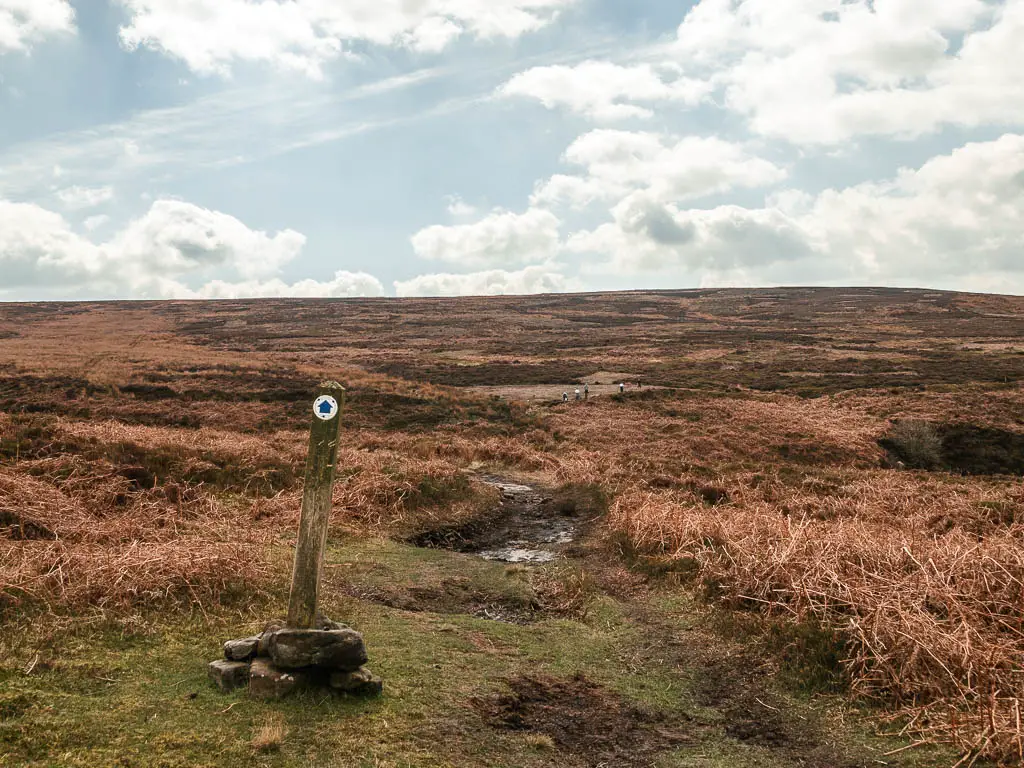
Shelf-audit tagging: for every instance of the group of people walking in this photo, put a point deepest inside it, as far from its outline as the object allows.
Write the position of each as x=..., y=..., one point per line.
x=586, y=392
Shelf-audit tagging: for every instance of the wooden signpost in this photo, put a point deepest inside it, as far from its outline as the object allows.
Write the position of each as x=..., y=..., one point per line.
x=316, y=505
x=308, y=650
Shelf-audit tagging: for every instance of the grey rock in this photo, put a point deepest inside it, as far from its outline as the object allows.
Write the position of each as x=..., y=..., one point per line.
x=262, y=648
x=228, y=675
x=361, y=682
x=322, y=622
x=337, y=649
x=272, y=627
x=241, y=650
x=267, y=681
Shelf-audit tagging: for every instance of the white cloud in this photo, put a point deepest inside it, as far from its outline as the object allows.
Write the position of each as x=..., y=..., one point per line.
x=668, y=169
x=604, y=91
x=648, y=236
x=825, y=71
x=38, y=247
x=150, y=257
x=78, y=198
x=432, y=35
x=958, y=215
x=211, y=35
x=459, y=208
x=344, y=284
x=956, y=221
x=500, y=239
x=95, y=222
x=177, y=238
x=497, y=282
x=23, y=22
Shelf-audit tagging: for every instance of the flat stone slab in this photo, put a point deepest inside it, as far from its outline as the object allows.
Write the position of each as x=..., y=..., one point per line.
x=267, y=681
x=228, y=675
x=241, y=650
x=361, y=682
x=333, y=649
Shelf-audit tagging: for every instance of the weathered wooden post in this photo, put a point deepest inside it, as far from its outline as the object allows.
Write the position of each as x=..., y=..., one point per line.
x=308, y=649
x=316, y=505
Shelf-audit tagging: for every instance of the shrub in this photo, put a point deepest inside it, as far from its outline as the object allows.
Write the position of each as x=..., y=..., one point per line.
x=916, y=443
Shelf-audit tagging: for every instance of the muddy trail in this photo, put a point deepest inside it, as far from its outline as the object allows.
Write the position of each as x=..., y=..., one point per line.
x=527, y=529
x=529, y=526
x=735, y=697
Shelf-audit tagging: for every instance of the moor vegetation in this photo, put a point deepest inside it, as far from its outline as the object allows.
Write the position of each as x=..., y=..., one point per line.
x=841, y=468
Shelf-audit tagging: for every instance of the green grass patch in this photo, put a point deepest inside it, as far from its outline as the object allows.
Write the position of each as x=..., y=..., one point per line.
x=133, y=692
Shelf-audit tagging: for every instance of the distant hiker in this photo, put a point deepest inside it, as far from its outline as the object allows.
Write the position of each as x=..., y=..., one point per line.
x=577, y=394
x=586, y=391
x=565, y=397
x=622, y=388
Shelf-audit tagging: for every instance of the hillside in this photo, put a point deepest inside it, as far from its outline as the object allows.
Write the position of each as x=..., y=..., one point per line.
x=794, y=538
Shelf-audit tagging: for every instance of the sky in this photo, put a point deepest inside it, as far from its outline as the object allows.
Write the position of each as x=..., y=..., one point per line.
x=155, y=149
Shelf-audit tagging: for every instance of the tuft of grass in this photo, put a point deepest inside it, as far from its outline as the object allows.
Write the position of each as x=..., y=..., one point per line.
x=566, y=590
x=269, y=735
x=916, y=443
x=811, y=656
x=539, y=741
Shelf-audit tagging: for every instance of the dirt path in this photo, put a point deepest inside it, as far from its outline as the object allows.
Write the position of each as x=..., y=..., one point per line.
x=553, y=392
x=734, y=690
x=528, y=527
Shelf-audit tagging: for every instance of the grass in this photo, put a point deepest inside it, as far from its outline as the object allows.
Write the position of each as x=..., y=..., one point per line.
x=434, y=580
x=270, y=734
x=134, y=692
x=916, y=443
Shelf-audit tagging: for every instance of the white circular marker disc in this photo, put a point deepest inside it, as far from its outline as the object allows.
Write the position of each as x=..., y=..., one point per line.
x=325, y=407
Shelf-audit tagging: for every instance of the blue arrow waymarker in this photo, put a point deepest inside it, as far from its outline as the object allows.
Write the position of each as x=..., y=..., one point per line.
x=325, y=407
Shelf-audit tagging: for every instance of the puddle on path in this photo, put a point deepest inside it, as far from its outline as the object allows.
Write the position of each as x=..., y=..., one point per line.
x=528, y=528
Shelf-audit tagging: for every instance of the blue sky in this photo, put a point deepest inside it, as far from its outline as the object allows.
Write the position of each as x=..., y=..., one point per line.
x=231, y=148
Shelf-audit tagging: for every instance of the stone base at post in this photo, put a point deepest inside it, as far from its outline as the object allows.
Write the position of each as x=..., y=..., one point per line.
x=310, y=650
x=282, y=660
